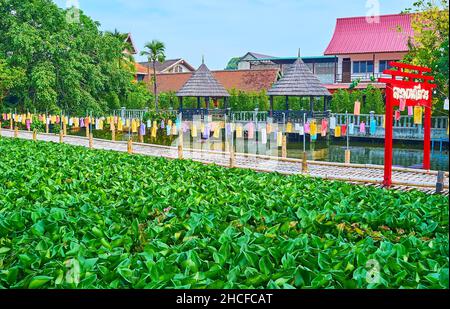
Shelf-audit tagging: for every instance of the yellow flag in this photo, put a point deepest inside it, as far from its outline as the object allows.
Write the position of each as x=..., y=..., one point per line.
x=154, y=131
x=216, y=132
x=289, y=127
x=24, y=118
x=238, y=131
x=174, y=130
x=313, y=128
x=384, y=121
x=133, y=126
x=127, y=123
x=417, y=115
x=280, y=138
x=120, y=125
x=169, y=123
x=194, y=130
x=337, y=131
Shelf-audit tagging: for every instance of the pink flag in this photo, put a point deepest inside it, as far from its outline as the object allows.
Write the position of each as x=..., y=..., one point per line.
x=362, y=127
x=402, y=104
x=410, y=110
x=397, y=115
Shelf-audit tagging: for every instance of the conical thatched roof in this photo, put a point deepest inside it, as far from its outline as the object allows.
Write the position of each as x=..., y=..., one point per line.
x=298, y=81
x=202, y=84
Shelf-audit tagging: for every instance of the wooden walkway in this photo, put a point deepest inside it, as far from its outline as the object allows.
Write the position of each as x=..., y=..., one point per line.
x=403, y=178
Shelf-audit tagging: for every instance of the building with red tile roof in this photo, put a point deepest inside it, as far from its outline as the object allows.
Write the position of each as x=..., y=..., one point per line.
x=244, y=80
x=364, y=46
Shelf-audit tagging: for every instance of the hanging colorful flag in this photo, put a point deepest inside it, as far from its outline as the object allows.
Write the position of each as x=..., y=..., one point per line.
x=446, y=104
x=263, y=136
x=194, y=130
x=417, y=115
x=301, y=131
x=289, y=127
x=174, y=130
x=410, y=111
x=162, y=124
x=332, y=123
x=268, y=128
x=402, y=104
x=337, y=131
x=251, y=130
x=373, y=126
x=324, y=127
x=344, y=130
x=313, y=128
x=351, y=129
x=28, y=124
x=357, y=108
x=149, y=123
x=362, y=127
x=297, y=127
x=397, y=115
x=384, y=122
x=238, y=131
x=216, y=131
x=279, y=139
x=142, y=129
x=154, y=131
x=307, y=128
x=120, y=125
x=133, y=126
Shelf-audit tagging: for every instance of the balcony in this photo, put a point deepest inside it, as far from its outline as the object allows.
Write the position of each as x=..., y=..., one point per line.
x=365, y=78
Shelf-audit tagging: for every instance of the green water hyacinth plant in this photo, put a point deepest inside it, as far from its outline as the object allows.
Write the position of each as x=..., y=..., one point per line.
x=71, y=217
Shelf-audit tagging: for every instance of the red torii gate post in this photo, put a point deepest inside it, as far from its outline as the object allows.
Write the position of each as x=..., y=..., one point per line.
x=415, y=93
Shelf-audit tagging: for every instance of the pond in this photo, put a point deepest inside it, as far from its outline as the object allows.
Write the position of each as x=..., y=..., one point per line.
x=405, y=154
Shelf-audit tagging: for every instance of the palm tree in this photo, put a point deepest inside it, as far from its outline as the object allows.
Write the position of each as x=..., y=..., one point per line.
x=155, y=51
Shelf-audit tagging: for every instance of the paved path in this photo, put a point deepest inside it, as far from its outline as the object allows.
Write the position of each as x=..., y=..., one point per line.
x=403, y=179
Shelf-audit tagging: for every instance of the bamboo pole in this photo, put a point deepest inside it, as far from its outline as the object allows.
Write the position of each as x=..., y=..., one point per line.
x=91, y=141
x=11, y=123
x=64, y=128
x=305, y=163
x=284, y=147
x=34, y=135
x=180, y=145
x=347, y=156
x=0, y=128
x=61, y=136
x=87, y=129
x=232, y=157
x=47, y=127
x=113, y=131
x=16, y=131
x=130, y=146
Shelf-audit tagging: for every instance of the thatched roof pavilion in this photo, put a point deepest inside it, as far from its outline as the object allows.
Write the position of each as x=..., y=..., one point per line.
x=202, y=84
x=299, y=81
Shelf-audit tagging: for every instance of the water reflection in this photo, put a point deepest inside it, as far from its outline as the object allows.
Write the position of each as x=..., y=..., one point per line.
x=331, y=150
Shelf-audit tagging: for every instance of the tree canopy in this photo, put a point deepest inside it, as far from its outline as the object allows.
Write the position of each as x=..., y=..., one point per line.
x=68, y=64
x=429, y=47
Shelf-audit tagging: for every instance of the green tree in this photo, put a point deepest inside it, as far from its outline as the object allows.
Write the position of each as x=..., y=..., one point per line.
x=430, y=44
x=10, y=78
x=69, y=65
x=233, y=63
x=155, y=52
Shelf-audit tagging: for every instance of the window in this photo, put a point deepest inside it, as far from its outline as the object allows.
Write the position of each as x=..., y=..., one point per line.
x=362, y=67
x=178, y=69
x=140, y=77
x=384, y=65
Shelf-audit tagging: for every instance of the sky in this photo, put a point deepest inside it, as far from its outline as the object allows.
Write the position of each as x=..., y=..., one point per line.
x=222, y=29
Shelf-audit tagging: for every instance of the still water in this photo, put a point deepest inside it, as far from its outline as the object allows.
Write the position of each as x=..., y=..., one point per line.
x=406, y=154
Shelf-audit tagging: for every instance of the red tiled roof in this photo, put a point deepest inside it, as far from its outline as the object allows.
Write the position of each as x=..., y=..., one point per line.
x=356, y=35
x=245, y=80
x=140, y=69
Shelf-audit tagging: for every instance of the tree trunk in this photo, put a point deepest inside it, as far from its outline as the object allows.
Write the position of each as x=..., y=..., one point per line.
x=155, y=87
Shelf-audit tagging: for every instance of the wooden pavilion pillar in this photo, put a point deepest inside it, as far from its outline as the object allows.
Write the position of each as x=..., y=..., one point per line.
x=207, y=103
x=287, y=103
x=311, y=104
x=271, y=106
x=180, y=100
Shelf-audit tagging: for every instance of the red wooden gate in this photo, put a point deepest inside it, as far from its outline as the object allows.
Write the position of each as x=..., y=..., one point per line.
x=407, y=83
